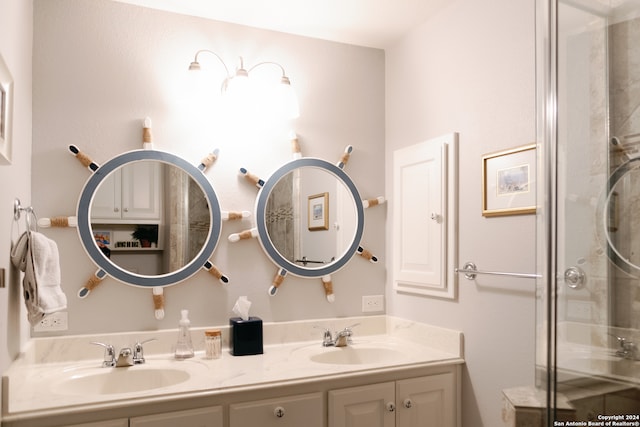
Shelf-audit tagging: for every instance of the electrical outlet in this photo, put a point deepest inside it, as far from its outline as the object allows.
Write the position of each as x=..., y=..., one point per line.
x=372, y=303
x=53, y=322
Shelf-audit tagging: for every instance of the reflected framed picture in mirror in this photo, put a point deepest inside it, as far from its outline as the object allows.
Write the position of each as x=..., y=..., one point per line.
x=318, y=209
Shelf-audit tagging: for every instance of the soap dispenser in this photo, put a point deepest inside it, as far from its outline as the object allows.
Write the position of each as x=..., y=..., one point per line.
x=184, y=347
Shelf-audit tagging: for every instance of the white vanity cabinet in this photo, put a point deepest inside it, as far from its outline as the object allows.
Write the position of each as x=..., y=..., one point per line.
x=205, y=417
x=133, y=192
x=428, y=401
x=293, y=411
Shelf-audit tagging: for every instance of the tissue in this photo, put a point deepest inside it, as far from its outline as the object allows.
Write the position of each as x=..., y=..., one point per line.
x=241, y=308
x=246, y=331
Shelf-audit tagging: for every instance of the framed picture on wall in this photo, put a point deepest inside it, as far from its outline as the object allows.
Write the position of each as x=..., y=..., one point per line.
x=6, y=110
x=508, y=182
x=318, y=209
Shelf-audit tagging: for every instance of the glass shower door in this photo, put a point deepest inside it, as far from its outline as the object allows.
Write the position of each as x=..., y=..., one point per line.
x=589, y=134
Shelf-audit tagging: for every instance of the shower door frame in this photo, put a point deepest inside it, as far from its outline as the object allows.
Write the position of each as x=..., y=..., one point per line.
x=546, y=225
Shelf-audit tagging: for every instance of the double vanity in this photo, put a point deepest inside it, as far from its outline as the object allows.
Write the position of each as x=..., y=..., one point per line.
x=393, y=370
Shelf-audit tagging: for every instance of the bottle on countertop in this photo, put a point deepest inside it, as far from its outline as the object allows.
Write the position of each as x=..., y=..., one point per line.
x=213, y=343
x=184, y=347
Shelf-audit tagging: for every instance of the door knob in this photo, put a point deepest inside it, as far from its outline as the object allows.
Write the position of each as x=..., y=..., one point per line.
x=574, y=277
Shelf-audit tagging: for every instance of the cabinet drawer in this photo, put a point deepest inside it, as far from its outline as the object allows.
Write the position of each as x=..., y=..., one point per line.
x=204, y=417
x=124, y=422
x=293, y=411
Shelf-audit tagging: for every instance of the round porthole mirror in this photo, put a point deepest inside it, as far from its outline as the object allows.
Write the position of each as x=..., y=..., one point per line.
x=310, y=217
x=149, y=193
x=617, y=210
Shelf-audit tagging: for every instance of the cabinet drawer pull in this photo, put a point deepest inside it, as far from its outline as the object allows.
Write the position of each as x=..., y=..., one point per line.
x=391, y=407
x=116, y=209
x=407, y=403
x=126, y=209
x=279, y=412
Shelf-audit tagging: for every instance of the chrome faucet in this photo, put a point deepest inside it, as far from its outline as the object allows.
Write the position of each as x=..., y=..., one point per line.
x=126, y=357
x=628, y=350
x=342, y=338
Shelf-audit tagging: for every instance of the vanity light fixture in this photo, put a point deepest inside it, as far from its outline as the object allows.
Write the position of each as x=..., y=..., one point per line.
x=237, y=86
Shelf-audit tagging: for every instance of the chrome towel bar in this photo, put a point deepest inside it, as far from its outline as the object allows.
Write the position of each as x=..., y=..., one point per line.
x=470, y=271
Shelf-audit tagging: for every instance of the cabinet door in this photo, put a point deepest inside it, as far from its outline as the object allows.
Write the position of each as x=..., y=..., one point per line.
x=293, y=411
x=427, y=401
x=107, y=198
x=366, y=406
x=205, y=417
x=142, y=190
x=424, y=217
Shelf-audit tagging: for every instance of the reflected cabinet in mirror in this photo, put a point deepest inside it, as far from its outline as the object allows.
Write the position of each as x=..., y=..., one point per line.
x=150, y=217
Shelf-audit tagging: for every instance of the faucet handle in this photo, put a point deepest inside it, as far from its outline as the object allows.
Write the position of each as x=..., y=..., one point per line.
x=109, y=358
x=348, y=331
x=138, y=351
x=327, y=339
x=349, y=328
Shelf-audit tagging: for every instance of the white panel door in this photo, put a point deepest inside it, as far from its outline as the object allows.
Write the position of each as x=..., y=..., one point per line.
x=427, y=401
x=424, y=217
x=366, y=406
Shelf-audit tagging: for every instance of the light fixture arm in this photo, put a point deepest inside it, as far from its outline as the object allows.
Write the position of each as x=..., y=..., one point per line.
x=284, y=79
x=266, y=63
x=195, y=65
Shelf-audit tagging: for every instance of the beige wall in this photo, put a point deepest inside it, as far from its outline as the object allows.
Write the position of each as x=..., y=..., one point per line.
x=15, y=47
x=470, y=69
x=100, y=67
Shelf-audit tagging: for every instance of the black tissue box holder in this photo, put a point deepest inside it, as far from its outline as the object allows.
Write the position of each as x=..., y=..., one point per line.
x=246, y=336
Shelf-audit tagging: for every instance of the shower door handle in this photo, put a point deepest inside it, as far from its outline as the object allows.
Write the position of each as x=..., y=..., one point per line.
x=574, y=277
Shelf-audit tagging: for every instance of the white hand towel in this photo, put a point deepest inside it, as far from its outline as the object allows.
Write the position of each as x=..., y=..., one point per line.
x=38, y=257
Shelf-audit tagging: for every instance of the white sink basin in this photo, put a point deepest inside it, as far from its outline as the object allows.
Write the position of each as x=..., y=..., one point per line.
x=357, y=355
x=119, y=380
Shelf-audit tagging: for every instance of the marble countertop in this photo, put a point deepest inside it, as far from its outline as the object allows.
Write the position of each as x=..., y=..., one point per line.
x=37, y=381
